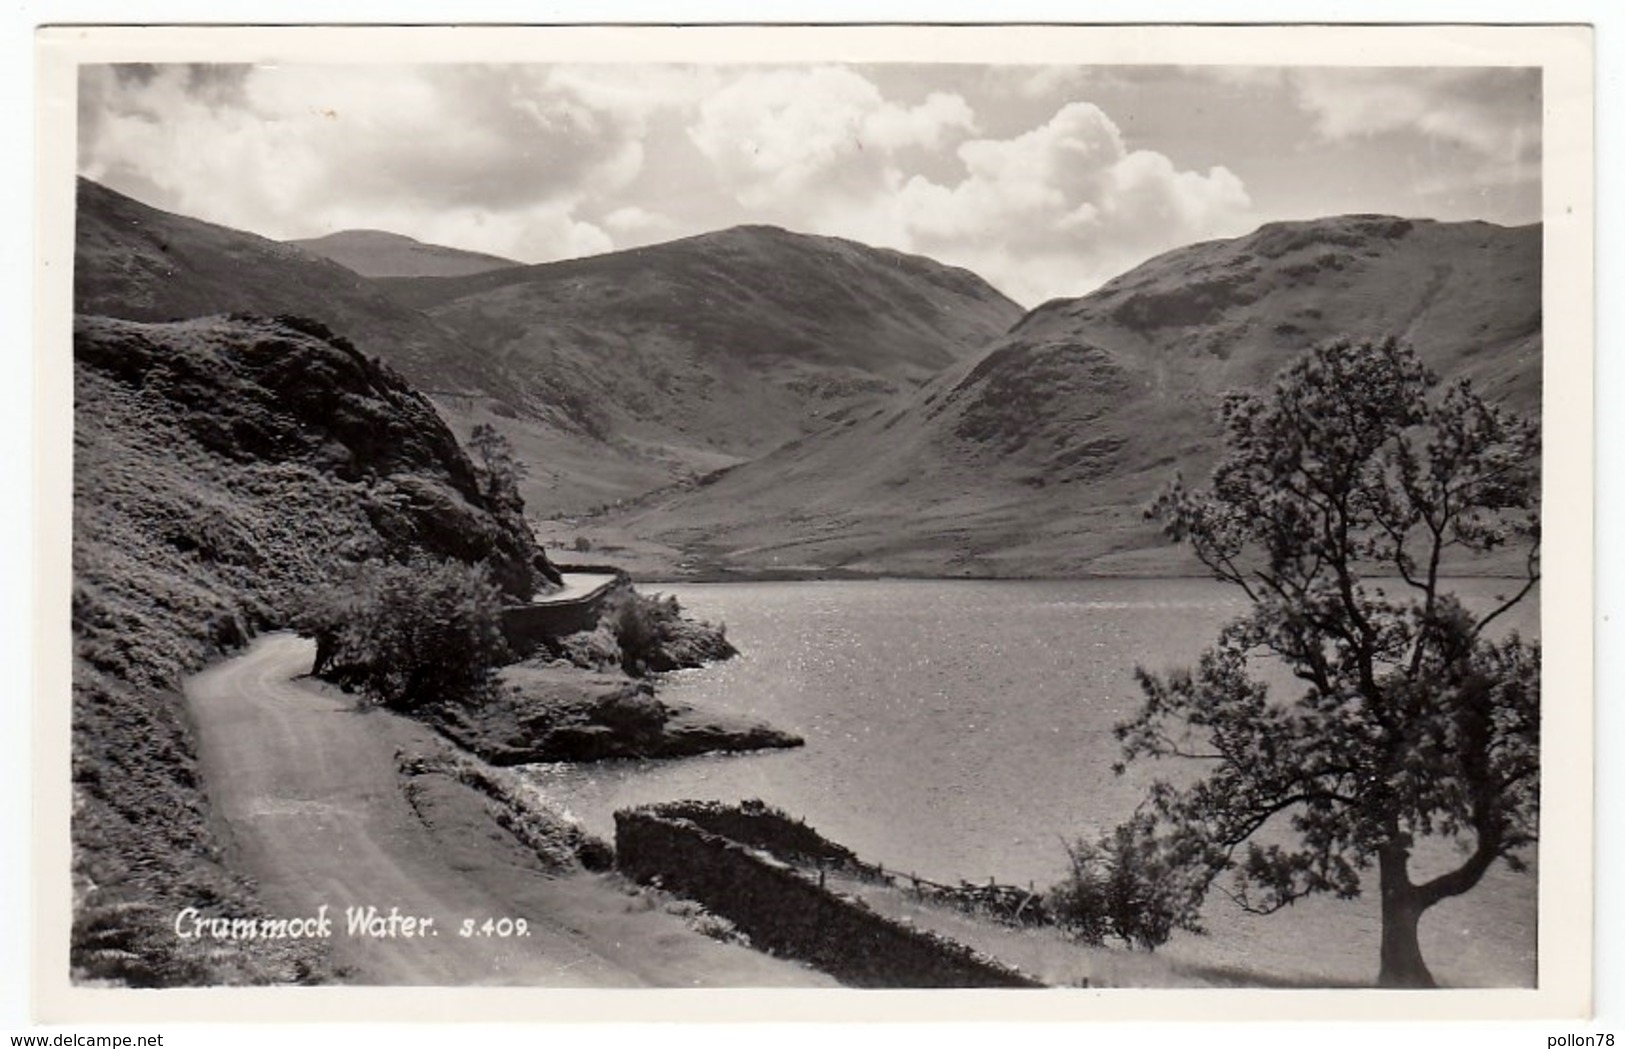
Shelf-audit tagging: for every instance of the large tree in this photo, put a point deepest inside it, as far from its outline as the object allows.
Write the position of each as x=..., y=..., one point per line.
x=1344, y=493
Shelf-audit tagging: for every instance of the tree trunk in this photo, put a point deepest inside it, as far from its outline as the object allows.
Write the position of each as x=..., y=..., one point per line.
x=1402, y=906
x=327, y=644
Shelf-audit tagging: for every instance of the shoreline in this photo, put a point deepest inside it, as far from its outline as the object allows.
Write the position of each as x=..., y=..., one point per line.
x=854, y=576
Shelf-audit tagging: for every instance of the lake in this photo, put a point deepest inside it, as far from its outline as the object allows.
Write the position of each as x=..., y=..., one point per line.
x=963, y=730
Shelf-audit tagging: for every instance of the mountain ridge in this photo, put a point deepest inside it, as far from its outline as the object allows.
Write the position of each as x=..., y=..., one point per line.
x=378, y=253
x=715, y=348
x=611, y=377
x=138, y=262
x=1036, y=457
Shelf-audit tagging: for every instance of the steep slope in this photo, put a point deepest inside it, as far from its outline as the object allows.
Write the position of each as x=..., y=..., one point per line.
x=222, y=466
x=612, y=376
x=1036, y=458
x=719, y=347
x=376, y=253
x=139, y=263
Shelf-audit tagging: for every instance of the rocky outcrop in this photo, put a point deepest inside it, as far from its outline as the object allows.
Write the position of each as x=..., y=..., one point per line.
x=562, y=713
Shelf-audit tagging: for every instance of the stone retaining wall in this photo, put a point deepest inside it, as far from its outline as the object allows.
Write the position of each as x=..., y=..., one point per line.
x=786, y=911
x=528, y=627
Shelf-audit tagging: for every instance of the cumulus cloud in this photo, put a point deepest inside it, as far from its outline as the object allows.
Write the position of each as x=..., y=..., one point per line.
x=1495, y=112
x=1037, y=82
x=774, y=134
x=494, y=158
x=1053, y=210
x=634, y=220
x=1035, y=187
x=637, y=93
x=1063, y=207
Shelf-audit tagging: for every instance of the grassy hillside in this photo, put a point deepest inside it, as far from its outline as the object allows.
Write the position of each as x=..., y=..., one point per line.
x=1036, y=458
x=137, y=262
x=612, y=376
x=705, y=351
x=375, y=253
x=222, y=466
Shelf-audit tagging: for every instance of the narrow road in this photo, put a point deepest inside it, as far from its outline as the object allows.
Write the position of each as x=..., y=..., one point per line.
x=576, y=585
x=308, y=789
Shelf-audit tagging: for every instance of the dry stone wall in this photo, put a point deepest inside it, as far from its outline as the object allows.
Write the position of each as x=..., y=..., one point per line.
x=785, y=910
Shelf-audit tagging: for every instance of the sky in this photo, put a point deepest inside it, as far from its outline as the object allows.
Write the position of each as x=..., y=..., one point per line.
x=1045, y=180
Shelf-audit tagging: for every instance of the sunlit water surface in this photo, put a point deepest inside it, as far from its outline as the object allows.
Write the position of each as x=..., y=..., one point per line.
x=963, y=729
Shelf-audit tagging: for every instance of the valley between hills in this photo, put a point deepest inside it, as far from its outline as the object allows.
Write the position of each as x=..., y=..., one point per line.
x=251, y=415
x=757, y=402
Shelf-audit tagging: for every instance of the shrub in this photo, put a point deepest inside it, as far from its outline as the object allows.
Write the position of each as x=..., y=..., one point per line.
x=638, y=623
x=500, y=469
x=1129, y=884
x=645, y=635
x=408, y=633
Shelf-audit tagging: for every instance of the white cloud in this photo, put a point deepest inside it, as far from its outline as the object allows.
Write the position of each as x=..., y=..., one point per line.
x=1495, y=112
x=1043, y=80
x=502, y=154
x=772, y=135
x=1046, y=82
x=638, y=93
x=635, y=220
x=1053, y=211
x=543, y=161
x=1061, y=208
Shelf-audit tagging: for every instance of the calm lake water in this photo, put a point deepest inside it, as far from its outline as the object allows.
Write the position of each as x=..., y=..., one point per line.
x=962, y=729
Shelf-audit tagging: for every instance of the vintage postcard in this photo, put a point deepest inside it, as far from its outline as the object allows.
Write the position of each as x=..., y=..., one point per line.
x=777, y=514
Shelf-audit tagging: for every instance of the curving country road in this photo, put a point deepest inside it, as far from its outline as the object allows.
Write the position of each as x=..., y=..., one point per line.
x=309, y=792
x=575, y=586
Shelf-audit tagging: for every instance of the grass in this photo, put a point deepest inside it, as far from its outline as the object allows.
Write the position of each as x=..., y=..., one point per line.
x=1036, y=459
x=559, y=843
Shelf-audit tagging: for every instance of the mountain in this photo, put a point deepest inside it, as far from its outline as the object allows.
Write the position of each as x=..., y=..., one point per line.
x=611, y=376
x=140, y=263
x=137, y=262
x=716, y=348
x=223, y=467
x=376, y=253
x=1036, y=457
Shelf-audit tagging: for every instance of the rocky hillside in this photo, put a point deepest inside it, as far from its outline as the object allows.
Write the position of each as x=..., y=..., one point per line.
x=1037, y=457
x=716, y=348
x=613, y=375
x=376, y=253
x=139, y=263
x=223, y=465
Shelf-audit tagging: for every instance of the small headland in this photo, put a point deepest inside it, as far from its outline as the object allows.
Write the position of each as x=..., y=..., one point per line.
x=554, y=711
x=585, y=688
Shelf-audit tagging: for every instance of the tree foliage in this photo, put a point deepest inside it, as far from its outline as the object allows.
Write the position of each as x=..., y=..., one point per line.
x=408, y=633
x=1129, y=884
x=499, y=468
x=1342, y=494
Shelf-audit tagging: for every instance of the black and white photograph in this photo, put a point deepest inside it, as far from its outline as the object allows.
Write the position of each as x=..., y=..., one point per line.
x=955, y=511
